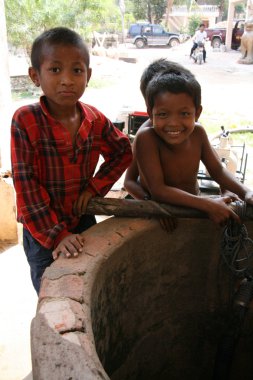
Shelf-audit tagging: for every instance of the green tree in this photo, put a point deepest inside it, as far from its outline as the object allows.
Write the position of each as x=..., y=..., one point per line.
x=129, y=13
x=194, y=22
x=151, y=10
x=34, y=16
x=100, y=15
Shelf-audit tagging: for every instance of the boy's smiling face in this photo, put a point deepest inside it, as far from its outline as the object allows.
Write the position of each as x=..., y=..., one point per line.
x=63, y=74
x=174, y=116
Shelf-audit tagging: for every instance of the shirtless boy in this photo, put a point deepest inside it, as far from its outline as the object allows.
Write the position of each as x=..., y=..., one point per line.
x=175, y=147
x=162, y=65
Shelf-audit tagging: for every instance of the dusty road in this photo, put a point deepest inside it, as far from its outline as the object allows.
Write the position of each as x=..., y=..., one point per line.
x=226, y=85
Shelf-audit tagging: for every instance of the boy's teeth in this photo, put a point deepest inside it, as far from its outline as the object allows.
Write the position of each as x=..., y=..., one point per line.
x=173, y=132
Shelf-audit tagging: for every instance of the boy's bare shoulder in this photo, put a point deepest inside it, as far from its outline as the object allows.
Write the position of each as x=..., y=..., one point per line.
x=145, y=132
x=199, y=131
x=145, y=125
x=199, y=128
x=146, y=136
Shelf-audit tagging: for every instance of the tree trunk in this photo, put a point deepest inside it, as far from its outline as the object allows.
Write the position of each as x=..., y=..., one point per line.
x=221, y=10
x=168, y=11
x=249, y=10
x=149, y=11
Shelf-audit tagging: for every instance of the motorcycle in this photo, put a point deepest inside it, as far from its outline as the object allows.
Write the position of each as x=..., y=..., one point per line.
x=198, y=54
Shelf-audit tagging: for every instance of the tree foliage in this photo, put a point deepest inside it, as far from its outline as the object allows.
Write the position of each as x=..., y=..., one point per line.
x=32, y=17
x=151, y=10
x=27, y=18
x=194, y=22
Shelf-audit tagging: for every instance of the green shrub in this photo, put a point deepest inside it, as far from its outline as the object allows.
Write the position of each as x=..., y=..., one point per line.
x=194, y=22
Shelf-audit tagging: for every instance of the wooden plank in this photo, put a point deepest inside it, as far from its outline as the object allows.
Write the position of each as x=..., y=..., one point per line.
x=136, y=208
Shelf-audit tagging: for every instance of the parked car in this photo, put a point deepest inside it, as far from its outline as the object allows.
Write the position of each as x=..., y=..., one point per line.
x=142, y=35
x=217, y=35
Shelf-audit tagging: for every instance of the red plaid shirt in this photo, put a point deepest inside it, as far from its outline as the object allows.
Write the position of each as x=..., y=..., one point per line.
x=49, y=173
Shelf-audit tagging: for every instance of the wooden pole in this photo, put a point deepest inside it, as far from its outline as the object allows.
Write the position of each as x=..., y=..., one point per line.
x=5, y=94
x=249, y=10
x=122, y=8
x=142, y=209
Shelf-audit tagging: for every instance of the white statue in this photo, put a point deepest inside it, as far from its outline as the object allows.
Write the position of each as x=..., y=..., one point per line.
x=247, y=43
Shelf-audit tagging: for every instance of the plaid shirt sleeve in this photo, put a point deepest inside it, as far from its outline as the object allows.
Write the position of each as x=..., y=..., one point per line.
x=117, y=153
x=49, y=216
x=33, y=201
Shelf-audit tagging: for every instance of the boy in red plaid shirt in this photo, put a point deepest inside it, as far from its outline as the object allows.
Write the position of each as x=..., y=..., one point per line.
x=55, y=147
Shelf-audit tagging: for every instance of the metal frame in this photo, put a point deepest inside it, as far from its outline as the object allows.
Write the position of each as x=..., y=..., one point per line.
x=240, y=172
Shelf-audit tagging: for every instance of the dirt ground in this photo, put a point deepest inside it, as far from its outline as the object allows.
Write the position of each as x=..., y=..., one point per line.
x=226, y=85
x=227, y=90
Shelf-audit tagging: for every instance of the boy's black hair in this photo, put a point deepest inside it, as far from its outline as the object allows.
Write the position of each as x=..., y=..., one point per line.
x=202, y=25
x=175, y=83
x=159, y=66
x=57, y=36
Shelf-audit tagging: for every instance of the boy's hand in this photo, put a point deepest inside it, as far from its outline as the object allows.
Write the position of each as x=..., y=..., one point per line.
x=234, y=197
x=70, y=246
x=249, y=197
x=168, y=224
x=80, y=205
x=219, y=211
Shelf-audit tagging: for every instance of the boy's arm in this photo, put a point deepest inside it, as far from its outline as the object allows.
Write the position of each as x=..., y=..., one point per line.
x=194, y=36
x=221, y=175
x=117, y=153
x=148, y=159
x=131, y=183
x=33, y=201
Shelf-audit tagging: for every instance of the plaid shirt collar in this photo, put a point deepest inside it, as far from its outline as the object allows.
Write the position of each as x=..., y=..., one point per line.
x=87, y=114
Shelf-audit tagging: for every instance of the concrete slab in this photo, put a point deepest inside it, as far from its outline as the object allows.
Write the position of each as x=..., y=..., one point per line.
x=18, y=307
